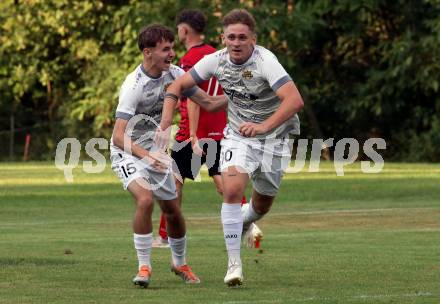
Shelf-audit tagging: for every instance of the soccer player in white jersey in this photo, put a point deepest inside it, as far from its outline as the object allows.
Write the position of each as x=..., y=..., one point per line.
x=262, y=105
x=145, y=170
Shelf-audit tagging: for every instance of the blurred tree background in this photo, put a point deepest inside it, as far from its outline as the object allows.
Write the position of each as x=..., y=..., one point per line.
x=365, y=68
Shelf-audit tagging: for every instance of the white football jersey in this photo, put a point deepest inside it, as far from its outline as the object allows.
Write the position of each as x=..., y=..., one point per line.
x=141, y=100
x=250, y=88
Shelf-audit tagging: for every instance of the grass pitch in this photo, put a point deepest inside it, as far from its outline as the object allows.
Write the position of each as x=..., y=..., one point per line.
x=360, y=238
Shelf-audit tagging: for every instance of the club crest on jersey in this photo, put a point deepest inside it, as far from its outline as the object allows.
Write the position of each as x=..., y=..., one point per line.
x=247, y=74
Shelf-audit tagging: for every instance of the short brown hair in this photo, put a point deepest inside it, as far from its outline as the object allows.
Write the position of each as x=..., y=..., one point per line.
x=151, y=35
x=194, y=18
x=239, y=16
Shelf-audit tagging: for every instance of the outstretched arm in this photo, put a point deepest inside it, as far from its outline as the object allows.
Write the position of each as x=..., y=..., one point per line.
x=177, y=88
x=209, y=103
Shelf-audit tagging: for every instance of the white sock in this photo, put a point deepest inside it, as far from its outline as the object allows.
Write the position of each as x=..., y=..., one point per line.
x=249, y=215
x=142, y=244
x=178, y=250
x=232, y=227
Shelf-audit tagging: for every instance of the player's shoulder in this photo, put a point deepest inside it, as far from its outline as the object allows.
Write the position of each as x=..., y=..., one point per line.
x=213, y=59
x=174, y=68
x=223, y=53
x=218, y=56
x=175, y=71
x=262, y=54
x=134, y=79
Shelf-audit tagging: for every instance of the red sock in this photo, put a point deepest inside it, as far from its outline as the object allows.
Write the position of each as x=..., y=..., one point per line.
x=163, y=227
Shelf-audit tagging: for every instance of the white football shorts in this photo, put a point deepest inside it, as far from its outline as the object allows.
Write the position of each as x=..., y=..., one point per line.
x=264, y=160
x=131, y=169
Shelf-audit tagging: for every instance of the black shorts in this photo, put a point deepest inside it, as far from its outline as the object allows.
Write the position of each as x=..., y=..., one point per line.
x=189, y=163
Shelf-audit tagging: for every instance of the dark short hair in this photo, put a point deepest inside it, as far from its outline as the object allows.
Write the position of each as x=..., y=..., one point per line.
x=239, y=16
x=194, y=18
x=150, y=35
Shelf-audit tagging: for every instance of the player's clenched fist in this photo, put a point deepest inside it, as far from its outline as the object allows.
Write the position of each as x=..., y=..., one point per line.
x=250, y=129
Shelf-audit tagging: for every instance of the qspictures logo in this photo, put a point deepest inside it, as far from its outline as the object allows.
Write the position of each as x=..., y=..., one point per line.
x=277, y=153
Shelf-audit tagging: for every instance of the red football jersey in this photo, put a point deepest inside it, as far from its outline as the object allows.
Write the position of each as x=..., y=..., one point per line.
x=211, y=124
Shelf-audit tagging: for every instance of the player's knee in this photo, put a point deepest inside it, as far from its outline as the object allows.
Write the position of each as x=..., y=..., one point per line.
x=170, y=209
x=262, y=203
x=172, y=215
x=261, y=209
x=145, y=203
x=233, y=194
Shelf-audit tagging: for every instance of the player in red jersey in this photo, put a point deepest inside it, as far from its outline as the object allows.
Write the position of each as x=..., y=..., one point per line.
x=196, y=126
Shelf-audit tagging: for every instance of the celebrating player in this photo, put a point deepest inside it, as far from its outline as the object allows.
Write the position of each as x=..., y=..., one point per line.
x=262, y=105
x=196, y=123
x=143, y=169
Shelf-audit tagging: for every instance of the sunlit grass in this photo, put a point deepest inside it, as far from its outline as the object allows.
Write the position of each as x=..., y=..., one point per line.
x=357, y=238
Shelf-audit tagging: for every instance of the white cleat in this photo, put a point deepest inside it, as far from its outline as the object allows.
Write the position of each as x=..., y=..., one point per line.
x=234, y=276
x=253, y=236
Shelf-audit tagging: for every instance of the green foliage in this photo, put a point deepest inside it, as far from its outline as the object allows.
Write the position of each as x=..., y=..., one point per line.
x=423, y=146
x=365, y=68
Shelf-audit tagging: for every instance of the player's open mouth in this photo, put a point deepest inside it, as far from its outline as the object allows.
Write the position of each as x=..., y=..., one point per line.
x=168, y=61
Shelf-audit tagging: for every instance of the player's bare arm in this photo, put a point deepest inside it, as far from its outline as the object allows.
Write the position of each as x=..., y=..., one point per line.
x=210, y=103
x=193, y=118
x=172, y=95
x=291, y=103
x=124, y=142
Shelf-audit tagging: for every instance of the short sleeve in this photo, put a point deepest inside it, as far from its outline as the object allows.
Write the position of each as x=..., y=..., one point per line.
x=274, y=72
x=179, y=72
x=205, y=68
x=128, y=99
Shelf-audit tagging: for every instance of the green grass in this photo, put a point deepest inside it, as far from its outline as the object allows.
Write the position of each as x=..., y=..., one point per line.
x=360, y=238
